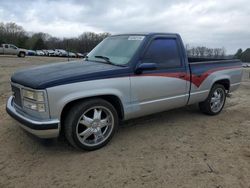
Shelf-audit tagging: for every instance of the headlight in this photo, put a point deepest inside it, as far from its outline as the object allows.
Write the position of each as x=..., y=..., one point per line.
x=33, y=95
x=34, y=100
x=40, y=107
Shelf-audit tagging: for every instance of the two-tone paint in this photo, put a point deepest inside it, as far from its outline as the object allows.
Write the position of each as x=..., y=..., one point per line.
x=141, y=94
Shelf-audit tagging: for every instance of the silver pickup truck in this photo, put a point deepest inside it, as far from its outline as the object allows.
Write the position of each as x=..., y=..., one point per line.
x=124, y=77
x=10, y=49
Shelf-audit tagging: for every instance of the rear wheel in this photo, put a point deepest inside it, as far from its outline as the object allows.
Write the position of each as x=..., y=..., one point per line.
x=215, y=100
x=91, y=124
x=21, y=54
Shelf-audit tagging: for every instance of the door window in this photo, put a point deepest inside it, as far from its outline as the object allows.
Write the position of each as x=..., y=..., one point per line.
x=13, y=47
x=164, y=52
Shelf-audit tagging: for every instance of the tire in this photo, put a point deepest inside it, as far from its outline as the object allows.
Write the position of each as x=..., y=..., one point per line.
x=85, y=124
x=209, y=105
x=21, y=54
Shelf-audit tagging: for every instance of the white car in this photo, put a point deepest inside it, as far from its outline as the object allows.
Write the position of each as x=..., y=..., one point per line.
x=79, y=55
x=51, y=52
x=71, y=54
x=61, y=53
x=245, y=65
x=46, y=53
x=40, y=53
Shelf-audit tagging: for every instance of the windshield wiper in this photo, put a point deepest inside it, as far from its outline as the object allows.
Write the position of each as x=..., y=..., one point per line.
x=103, y=57
x=107, y=60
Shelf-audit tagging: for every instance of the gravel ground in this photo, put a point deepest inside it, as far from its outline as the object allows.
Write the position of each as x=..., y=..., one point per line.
x=178, y=148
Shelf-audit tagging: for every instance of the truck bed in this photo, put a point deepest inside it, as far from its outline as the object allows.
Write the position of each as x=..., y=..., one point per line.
x=204, y=72
x=201, y=68
x=205, y=59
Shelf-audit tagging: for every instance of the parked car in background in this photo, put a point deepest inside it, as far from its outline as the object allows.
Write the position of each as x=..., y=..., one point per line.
x=79, y=55
x=10, y=49
x=46, y=53
x=245, y=65
x=30, y=52
x=71, y=54
x=85, y=54
x=51, y=53
x=40, y=53
x=61, y=53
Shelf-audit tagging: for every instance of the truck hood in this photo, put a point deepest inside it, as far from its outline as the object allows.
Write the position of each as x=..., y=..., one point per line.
x=65, y=73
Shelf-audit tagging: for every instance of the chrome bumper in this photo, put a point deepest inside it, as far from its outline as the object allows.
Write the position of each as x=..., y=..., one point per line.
x=40, y=128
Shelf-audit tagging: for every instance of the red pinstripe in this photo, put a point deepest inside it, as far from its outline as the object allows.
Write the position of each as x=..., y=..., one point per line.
x=196, y=80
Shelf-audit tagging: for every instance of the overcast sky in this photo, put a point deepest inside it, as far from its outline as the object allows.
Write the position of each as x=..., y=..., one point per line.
x=210, y=23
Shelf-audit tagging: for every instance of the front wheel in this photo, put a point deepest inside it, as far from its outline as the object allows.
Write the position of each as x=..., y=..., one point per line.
x=215, y=100
x=91, y=124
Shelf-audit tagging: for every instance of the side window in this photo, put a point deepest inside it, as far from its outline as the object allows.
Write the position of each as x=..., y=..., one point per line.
x=13, y=47
x=164, y=52
x=6, y=46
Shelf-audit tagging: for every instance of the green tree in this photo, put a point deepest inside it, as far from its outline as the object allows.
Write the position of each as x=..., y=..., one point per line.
x=39, y=44
x=245, y=57
x=238, y=53
x=13, y=33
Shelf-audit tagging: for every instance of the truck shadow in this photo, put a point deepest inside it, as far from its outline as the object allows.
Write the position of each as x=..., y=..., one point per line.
x=167, y=117
x=9, y=56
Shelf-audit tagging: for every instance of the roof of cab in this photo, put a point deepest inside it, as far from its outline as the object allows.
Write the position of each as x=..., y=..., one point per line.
x=146, y=33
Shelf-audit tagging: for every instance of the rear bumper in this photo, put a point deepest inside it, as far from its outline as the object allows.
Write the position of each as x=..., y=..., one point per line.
x=43, y=129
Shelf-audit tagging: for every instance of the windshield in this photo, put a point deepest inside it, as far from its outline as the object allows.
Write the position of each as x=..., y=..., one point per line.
x=117, y=49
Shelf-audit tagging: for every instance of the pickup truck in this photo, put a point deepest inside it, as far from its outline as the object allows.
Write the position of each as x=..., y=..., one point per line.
x=10, y=49
x=125, y=76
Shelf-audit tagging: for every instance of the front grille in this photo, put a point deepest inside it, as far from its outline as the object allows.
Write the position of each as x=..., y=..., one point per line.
x=17, y=95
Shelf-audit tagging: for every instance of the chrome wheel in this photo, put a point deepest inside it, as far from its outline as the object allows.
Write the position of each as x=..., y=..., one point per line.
x=95, y=126
x=217, y=100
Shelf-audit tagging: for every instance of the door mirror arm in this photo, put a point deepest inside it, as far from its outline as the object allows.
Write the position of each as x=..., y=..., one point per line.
x=145, y=66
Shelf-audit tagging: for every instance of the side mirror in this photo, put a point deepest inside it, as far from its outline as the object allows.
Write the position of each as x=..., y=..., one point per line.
x=145, y=66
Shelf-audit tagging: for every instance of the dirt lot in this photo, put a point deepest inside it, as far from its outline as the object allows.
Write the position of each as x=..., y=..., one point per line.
x=178, y=148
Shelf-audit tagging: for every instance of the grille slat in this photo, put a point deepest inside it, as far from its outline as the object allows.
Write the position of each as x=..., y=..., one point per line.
x=17, y=95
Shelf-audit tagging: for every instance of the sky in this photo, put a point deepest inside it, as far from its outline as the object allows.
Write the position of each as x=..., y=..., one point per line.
x=211, y=23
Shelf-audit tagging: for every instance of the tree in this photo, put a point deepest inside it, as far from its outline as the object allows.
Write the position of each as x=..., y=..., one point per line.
x=15, y=34
x=202, y=51
x=39, y=44
x=238, y=53
x=12, y=33
x=245, y=56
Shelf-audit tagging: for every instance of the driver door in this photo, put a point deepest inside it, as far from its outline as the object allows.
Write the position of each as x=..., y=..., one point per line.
x=163, y=88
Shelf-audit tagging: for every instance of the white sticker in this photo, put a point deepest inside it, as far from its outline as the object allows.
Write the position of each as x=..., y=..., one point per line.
x=135, y=37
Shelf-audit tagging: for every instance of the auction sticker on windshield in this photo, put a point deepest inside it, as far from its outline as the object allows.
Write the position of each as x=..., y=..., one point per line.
x=136, y=37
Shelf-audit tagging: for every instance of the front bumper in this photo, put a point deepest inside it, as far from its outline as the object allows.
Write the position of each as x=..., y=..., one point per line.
x=43, y=129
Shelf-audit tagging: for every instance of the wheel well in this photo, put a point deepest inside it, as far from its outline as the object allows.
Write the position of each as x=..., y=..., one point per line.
x=112, y=99
x=21, y=52
x=225, y=83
